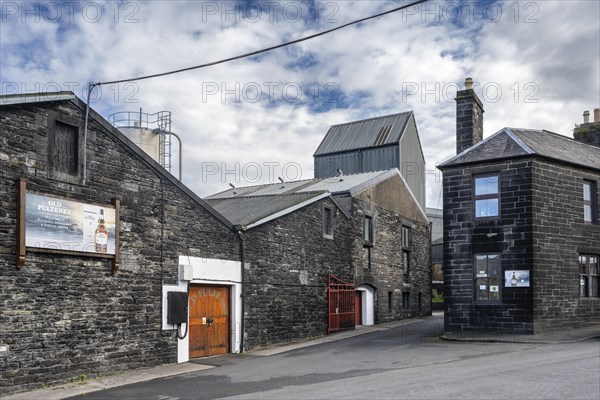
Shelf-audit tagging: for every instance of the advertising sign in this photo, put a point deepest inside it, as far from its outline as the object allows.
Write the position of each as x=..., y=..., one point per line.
x=516, y=278
x=59, y=224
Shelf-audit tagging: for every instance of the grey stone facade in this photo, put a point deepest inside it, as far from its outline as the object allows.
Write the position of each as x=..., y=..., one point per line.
x=391, y=207
x=537, y=227
x=511, y=235
x=287, y=265
x=66, y=315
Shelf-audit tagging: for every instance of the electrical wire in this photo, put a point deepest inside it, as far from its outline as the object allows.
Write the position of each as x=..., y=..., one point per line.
x=254, y=53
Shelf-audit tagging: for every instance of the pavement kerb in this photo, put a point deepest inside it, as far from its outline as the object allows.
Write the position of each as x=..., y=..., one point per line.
x=162, y=371
x=531, y=339
x=107, y=382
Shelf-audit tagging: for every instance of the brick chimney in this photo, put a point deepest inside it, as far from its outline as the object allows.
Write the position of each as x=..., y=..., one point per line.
x=588, y=132
x=469, y=118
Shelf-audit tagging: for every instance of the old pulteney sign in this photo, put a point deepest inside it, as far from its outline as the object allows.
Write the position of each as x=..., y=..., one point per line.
x=57, y=225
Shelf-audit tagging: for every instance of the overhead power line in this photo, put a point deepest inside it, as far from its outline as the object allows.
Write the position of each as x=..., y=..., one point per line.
x=254, y=53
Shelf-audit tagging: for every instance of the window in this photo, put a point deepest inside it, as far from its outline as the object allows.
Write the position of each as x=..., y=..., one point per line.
x=327, y=223
x=406, y=237
x=488, y=273
x=405, y=300
x=420, y=299
x=487, y=196
x=588, y=275
x=590, y=198
x=65, y=149
x=390, y=301
x=368, y=230
x=406, y=263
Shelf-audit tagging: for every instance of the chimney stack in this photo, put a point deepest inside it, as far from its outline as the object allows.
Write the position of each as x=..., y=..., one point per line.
x=469, y=118
x=589, y=132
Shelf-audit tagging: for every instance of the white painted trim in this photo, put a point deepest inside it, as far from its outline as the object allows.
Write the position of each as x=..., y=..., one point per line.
x=208, y=271
x=367, y=298
x=287, y=210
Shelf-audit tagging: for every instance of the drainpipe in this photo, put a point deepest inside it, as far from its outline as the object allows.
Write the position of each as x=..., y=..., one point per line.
x=240, y=235
x=180, y=155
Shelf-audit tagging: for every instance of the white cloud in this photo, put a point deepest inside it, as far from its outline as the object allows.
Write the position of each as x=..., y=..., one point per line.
x=552, y=64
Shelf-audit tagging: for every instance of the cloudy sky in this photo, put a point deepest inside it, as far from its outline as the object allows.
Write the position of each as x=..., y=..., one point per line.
x=536, y=64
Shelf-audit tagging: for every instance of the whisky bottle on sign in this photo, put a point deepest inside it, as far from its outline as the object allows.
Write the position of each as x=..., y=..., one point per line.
x=101, y=235
x=513, y=280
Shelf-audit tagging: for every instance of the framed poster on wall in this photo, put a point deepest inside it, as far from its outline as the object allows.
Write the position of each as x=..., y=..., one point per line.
x=516, y=278
x=65, y=226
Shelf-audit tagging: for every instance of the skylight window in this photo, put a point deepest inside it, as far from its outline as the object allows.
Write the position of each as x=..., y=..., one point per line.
x=382, y=136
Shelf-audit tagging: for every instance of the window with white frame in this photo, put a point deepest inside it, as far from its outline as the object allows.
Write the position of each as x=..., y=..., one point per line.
x=590, y=206
x=588, y=275
x=487, y=196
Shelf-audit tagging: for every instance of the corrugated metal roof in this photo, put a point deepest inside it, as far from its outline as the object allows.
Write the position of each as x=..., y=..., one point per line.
x=347, y=183
x=515, y=142
x=246, y=210
x=364, y=134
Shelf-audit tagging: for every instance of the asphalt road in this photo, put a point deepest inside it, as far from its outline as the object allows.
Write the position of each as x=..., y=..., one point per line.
x=407, y=362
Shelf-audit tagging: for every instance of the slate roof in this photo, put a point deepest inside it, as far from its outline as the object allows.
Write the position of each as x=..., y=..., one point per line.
x=516, y=142
x=364, y=133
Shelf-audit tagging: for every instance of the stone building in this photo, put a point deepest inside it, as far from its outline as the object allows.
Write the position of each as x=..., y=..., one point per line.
x=71, y=307
x=521, y=233
x=110, y=263
x=366, y=228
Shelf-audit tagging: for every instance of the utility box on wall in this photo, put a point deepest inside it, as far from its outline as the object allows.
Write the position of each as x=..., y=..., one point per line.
x=177, y=308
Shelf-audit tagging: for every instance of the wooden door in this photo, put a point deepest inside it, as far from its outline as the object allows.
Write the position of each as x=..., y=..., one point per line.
x=357, y=308
x=209, y=320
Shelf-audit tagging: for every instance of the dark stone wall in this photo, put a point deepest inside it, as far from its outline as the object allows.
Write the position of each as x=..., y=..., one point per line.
x=387, y=272
x=511, y=235
x=66, y=315
x=559, y=237
x=588, y=133
x=469, y=120
x=286, y=274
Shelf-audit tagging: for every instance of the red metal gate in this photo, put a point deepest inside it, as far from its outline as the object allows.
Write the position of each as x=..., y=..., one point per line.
x=341, y=304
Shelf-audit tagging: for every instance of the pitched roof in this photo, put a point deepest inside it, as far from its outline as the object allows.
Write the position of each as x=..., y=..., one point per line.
x=17, y=100
x=364, y=134
x=515, y=142
x=350, y=184
x=250, y=211
x=253, y=205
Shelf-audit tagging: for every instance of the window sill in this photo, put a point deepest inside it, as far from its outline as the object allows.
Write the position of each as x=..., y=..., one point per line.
x=589, y=298
x=330, y=237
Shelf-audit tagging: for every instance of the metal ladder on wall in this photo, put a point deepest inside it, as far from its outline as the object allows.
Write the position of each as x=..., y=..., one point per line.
x=163, y=121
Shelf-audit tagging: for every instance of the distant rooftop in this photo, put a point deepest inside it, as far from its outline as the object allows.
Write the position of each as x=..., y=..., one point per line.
x=372, y=132
x=339, y=184
x=253, y=205
x=516, y=142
